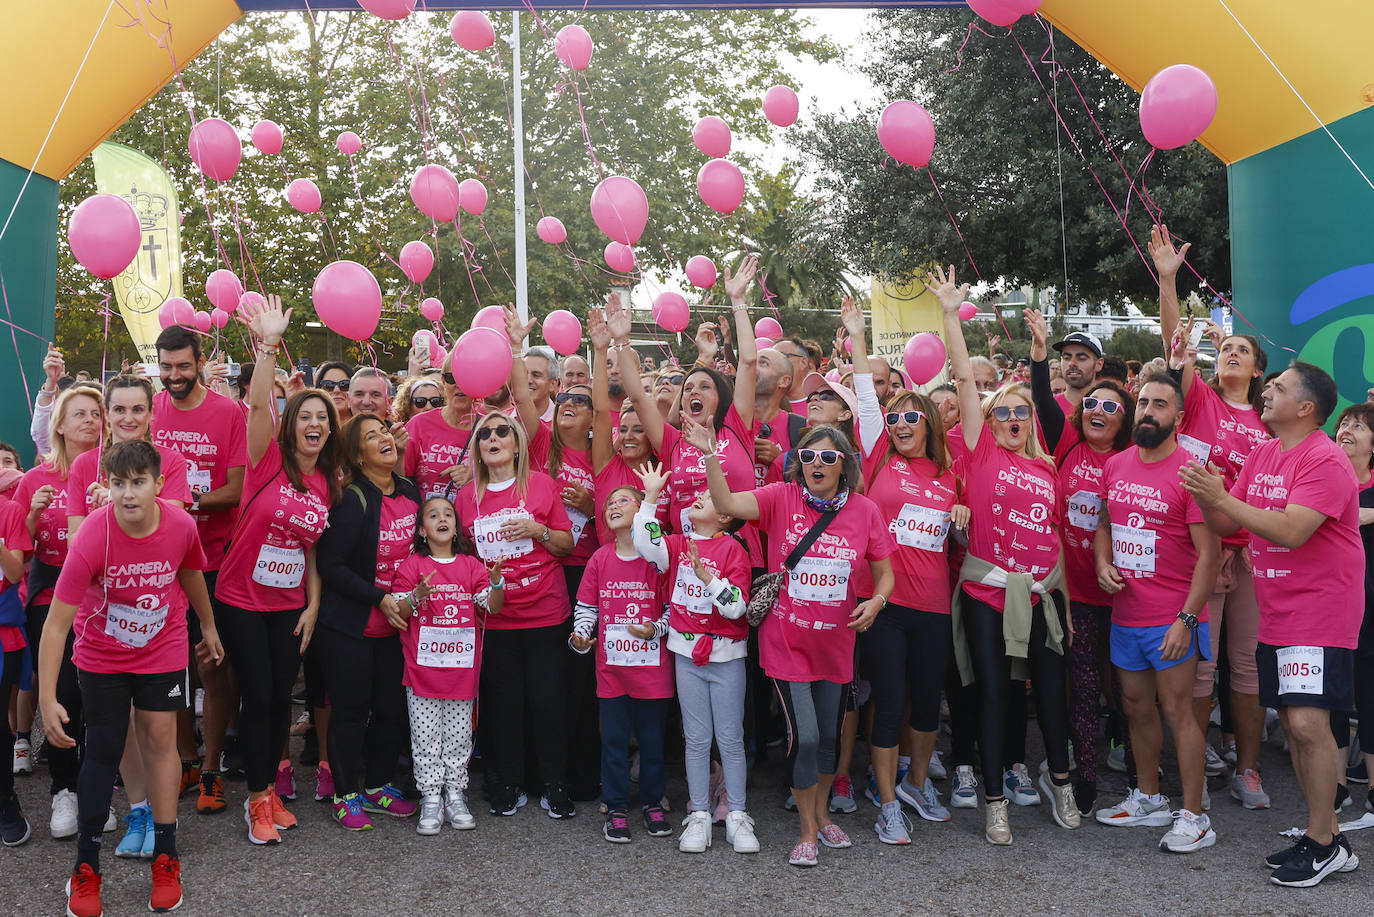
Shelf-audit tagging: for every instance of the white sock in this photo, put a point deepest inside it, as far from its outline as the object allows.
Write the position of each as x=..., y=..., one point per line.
x=1155, y=797
x=903, y=762
x=141, y=804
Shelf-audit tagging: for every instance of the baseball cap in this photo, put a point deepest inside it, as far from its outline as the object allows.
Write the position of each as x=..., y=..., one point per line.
x=1087, y=340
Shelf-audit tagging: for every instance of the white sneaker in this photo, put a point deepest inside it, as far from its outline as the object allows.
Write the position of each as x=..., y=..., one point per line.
x=739, y=831
x=64, y=821
x=431, y=816
x=111, y=823
x=1206, y=799
x=457, y=814
x=696, y=833
x=936, y=770
x=1190, y=832
x=1215, y=767
x=1137, y=809
x=23, y=757
x=965, y=795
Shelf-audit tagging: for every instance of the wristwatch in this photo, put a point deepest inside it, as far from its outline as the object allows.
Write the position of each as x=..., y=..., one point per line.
x=195, y=500
x=1190, y=621
x=547, y=534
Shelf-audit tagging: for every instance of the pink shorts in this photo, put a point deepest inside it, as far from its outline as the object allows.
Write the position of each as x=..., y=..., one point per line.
x=1234, y=602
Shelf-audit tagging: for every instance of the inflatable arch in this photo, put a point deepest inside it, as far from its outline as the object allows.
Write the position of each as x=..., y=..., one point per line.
x=1295, y=128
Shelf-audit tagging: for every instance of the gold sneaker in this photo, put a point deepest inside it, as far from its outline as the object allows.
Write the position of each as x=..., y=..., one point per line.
x=998, y=829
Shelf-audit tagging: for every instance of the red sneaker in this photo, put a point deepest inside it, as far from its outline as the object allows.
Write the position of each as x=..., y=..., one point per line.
x=166, y=885
x=83, y=892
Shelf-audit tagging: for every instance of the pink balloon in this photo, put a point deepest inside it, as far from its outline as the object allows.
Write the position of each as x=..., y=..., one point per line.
x=219, y=318
x=671, y=312
x=304, y=195
x=780, y=105
x=223, y=288
x=104, y=234
x=1178, y=104
x=562, y=331
x=472, y=30
x=573, y=46
x=907, y=132
x=435, y=191
x=481, y=362
x=967, y=310
x=721, y=185
x=763, y=343
x=701, y=271
x=182, y=313
x=924, y=357
x=768, y=327
x=551, y=230
x=849, y=346
x=620, y=209
x=997, y=12
x=348, y=299
x=167, y=314
x=202, y=322
x=249, y=302
x=267, y=137
x=712, y=136
x=833, y=375
x=432, y=309
x=493, y=317
x=472, y=196
x=349, y=143
x=1025, y=7
x=619, y=257
x=388, y=9
x=417, y=260
x=215, y=148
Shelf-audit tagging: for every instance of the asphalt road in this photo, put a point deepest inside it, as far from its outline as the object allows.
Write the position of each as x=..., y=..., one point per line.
x=533, y=864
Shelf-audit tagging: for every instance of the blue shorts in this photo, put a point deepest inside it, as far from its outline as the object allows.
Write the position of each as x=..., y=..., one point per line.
x=1137, y=648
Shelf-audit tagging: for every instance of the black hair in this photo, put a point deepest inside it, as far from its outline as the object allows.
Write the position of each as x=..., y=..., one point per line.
x=178, y=338
x=18, y=459
x=850, y=473
x=1363, y=413
x=462, y=544
x=725, y=392
x=324, y=368
x=124, y=460
x=1169, y=381
x=1113, y=367
x=1317, y=387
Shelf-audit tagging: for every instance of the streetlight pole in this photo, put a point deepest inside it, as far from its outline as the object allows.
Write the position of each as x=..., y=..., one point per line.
x=522, y=296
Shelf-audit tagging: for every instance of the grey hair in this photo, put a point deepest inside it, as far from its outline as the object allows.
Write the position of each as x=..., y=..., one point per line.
x=984, y=361
x=555, y=364
x=849, y=465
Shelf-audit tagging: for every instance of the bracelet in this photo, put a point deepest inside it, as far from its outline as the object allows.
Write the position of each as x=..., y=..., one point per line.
x=264, y=350
x=499, y=584
x=881, y=596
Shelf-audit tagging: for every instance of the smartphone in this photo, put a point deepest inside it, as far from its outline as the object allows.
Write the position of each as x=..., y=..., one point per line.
x=233, y=369
x=1199, y=329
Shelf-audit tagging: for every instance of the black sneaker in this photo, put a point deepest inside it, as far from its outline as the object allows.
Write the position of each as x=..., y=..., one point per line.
x=1085, y=796
x=1342, y=797
x=232, y=758
x=557, y=802
x=1357, y=773
x=14, y=828
x=656, y=823
x=616, y=829
x=1352, y=862
x=506, y=800
x=1310, y=863
x=1275, y=860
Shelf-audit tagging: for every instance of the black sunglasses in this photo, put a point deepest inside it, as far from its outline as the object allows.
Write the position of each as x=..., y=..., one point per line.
x=434, y=402
x=674, y=379
x=577, y=398
x=765, y=430
x=824, y=394
x=501, y=429
x=1109, y=407
x=895, y=417
x=448, y=378
x=1004, y=413
x=330, y=385
x=826, y=456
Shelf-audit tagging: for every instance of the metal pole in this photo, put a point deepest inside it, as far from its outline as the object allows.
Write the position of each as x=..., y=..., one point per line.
x=522, y=295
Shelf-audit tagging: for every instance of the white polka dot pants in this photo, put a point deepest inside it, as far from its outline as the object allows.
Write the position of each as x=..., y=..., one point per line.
x=440, y=743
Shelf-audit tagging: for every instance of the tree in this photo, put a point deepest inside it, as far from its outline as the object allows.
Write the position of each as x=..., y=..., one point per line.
x=997, y=166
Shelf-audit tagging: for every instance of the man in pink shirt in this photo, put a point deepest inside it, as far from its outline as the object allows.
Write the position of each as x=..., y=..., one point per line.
x=779, y=426
x=1300, y=504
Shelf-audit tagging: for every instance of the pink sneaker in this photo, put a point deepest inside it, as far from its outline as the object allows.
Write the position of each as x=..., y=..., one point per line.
x=388, y=801
x=348, y=812
x=324, y=783
x=834, y=836
x=804, y=854
x=286, y=781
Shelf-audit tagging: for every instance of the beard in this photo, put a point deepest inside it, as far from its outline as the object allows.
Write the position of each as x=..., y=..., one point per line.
x=615, y=389
x=1150, y=435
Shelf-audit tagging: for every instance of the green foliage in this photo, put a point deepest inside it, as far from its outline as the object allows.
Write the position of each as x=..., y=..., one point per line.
x=1135, y=344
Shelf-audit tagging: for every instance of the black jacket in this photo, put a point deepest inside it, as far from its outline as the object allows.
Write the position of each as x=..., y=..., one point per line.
x=347, y=555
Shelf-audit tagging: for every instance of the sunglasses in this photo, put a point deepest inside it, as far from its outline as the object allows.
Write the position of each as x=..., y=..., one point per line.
x=912, y=417
x=674, y=379
x=577, y=398
x=1004, y=413
x=1109, y=407
x=765, y=430
x=825, y=456
x=448, y=378
x=434, y=402
x=331, y=385
x=502, y=430
x=824, y=394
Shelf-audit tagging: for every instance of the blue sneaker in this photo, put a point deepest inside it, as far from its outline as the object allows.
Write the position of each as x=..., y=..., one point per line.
x=139, y=837
x=1019, y=788
x=925, y=800
x=965, y=788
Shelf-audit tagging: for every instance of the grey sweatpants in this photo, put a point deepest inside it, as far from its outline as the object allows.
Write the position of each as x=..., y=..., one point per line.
x=815, y=715
x=712, y=699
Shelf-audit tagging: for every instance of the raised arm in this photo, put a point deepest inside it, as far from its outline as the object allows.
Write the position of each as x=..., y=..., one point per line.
x=950, y=294
x=1183, y=356
x=1047, y=410
x=870, y=420
x=268, y=324
x=1167, y=262
x=746, y=373
x=517, y=331
x=603, y=435
x=739, y=505
x=647, y=535
x=627, y=361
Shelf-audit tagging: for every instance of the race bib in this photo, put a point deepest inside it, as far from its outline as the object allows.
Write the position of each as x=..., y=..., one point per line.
x=1197, y=448
x=446, y=647
x=134, y=626
x=198, y=478
x=280, y=568
x=819, y=579
x=1084, y=508
x=1133, y=548
x=1301, y=669
x=625, y=649
x=491, y=544
x=690, y=592
x=579, y=523
x=922, y=527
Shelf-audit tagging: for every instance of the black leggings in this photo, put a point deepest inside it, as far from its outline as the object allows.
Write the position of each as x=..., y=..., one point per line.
x=367, y=728
x=992, y=677
x=815, y=716
x=583, y=713
x=63, y=763
x=904, y=655
x=266, y=655
x=9, y=677
x=524, y=672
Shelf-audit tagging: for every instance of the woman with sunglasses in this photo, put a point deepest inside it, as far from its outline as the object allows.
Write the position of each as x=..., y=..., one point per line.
x=807, y=642
x=515, y=512
x=1012, y=492
x=417, y=395
x=333, y=378
x=668, y=388
x=436, y=453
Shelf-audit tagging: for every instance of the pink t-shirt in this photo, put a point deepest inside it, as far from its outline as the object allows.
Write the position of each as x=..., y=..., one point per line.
x=265, y=569
x=914, y=502
x=213, y=438
x=50, y=534
x=778, y=434
x=691, y=610
x=14, y=535
x=86, y=471
x=443, y=641
x=131, y=615
x=807, y=636
x=1311, y=595
x=687, y=467
x=577, y=469
x=434, y=447
x=1152, y=546
x=1015, y=517
x=536, y=592
x=626, y=592
x=1080, y=501
x=618, y=473
x=1223, y=432
x=394, y=542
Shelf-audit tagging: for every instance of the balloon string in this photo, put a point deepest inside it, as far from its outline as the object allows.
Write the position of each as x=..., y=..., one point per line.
x=18, y=357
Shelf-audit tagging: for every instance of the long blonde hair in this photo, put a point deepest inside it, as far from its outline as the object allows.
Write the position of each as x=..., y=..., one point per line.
x=1016, y=389
x=481, y=477
x=57, y=458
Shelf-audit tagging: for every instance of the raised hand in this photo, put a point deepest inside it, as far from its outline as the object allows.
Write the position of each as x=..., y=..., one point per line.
x=617, y=319
x=266, y=320
x=737, y=284
x=698, y=567
x=54, y=366
x=946, y=289
x=422, y=589
x=852, y=316
x=1167, y=259
x=597, y=330
x=707, y=346
x=654, y=478
x=701, y=435
x=1035, y=321
x=517, y=330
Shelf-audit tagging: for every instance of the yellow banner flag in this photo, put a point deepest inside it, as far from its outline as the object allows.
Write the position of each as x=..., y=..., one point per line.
x=155, y=275
x=900, y=309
